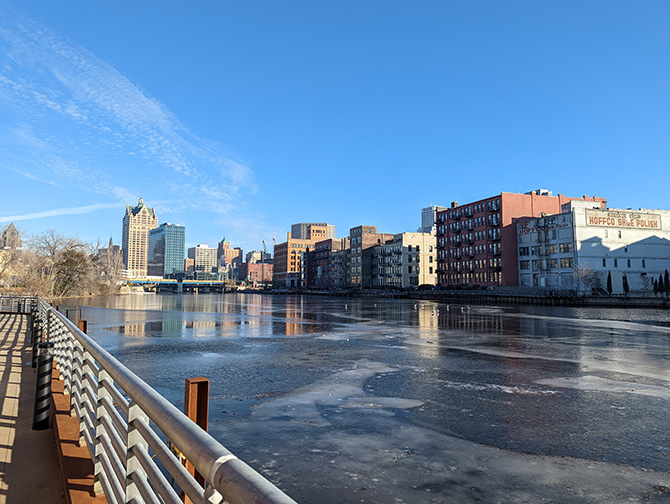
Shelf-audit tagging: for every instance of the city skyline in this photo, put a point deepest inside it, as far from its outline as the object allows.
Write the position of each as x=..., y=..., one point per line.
x=348, y=114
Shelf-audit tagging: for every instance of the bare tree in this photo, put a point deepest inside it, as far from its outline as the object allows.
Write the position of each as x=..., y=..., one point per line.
x=73, y=273
x=584, y=277
x=9, y=262
x=107, y=267
x=58, y=265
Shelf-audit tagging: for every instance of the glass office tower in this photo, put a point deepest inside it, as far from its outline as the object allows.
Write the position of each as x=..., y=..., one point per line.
x=166, y=250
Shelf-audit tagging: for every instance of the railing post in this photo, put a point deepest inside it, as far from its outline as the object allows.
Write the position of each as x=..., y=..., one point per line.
x=196, y=407
x=41, y=411
x=133, y=465
x=38, y=336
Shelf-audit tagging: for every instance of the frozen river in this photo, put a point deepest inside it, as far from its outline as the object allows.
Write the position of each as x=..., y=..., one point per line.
x=361, y=400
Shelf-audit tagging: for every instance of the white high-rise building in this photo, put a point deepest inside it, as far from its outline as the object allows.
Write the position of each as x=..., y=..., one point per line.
x=204, y=258
x=428, y=216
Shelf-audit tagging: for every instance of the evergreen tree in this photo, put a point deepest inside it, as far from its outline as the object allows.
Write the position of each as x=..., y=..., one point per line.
x=655, y=287
x=609, y=282
x=667, y=284
x=661, y=285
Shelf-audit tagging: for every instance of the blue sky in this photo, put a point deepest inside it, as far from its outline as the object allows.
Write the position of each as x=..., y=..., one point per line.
x=241, y=118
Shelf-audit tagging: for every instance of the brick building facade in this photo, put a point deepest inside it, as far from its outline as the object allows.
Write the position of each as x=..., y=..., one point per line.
x=476, y=242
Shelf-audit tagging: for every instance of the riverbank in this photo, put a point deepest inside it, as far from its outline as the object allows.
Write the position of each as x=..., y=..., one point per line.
x=557, y=298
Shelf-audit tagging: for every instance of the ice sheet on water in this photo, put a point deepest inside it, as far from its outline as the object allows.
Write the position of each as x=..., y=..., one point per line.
x=343, y=388
x=605, y=385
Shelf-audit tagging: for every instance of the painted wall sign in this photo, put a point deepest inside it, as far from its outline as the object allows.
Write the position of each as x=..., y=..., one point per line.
x=528, y=230
x=620, y=219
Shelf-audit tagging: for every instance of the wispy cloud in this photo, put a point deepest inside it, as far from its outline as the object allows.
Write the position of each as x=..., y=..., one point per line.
x=79, y=121
x=62, y=211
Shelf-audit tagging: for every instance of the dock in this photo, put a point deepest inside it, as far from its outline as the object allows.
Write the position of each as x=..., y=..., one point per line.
x=29, y=468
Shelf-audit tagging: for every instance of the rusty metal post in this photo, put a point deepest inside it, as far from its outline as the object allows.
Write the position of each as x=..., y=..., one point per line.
x=196, y=407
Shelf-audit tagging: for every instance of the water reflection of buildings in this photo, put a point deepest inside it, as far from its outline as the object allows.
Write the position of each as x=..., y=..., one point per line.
x=237, y=315
x=477, y=322
x=293, y=310
x=161, y=328
x=177, y=328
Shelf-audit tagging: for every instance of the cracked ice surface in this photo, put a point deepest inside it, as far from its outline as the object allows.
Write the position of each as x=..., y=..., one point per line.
x=372, y=401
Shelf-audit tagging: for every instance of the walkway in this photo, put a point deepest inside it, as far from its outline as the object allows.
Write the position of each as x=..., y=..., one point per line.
x=33, y=475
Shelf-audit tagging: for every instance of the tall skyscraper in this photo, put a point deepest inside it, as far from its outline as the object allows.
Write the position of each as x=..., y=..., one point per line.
x=428, y=216
x=166, y=250
x=135, y=242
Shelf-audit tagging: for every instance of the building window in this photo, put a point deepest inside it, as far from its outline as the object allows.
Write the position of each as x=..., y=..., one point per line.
x=643, y=263
x=523, y=251
x=409, y=269
x=604, y=263
x=524, y=265
x=565, y=247
x=628, y=262
x=566, y=262
x=616, y=263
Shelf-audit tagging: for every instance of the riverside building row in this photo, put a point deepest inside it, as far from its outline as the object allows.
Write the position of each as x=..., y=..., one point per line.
x=509, y=240
x=364, y=259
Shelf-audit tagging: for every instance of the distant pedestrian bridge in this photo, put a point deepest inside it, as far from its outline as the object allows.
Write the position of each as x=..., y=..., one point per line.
x=177, y=286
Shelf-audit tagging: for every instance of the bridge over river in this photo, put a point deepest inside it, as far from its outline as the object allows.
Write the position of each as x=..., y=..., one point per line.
x=179, y=286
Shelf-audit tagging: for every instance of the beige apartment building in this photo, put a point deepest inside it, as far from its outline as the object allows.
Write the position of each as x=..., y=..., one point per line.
x=204, y=258
x=408, y=260
x=137, y=223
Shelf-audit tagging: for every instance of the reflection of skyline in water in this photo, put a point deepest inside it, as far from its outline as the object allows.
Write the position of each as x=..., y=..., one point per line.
x=256, y=315
x=176, y=328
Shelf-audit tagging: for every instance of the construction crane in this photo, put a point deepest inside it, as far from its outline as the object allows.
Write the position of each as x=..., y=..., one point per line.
x=263, y=254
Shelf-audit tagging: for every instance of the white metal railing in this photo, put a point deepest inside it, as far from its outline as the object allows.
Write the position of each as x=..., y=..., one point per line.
x=127, y=425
